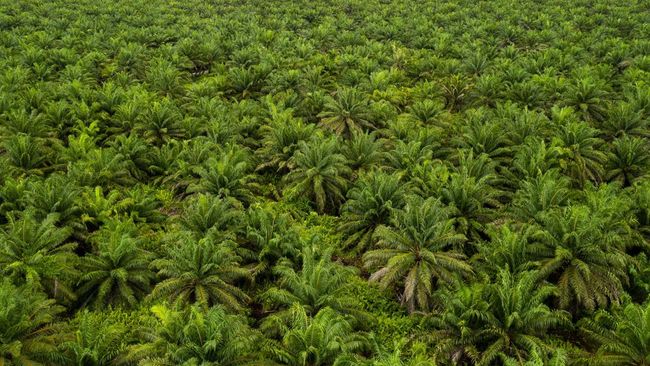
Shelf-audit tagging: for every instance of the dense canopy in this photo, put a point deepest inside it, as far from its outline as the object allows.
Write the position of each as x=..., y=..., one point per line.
x=315, y=183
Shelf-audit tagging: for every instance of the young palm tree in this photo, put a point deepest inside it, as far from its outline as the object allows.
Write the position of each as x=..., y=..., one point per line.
x=56, y=194
x=457, y=328
x=589, y=98
x=117, y=274
x=99, y=339
x=346, y=113
x=521, y=320
x=535, y=157
x=26, y=154
x=320, y=174
x=624, y=119
x=540, y=194
x=369, y=205
x=516, y=249
x=584, y=257
x=582, y=158
x=270, y=237
x=195, y=336
x=228, y=176
x=485, y=324
x=629, y=160
x=200, y=272
x=363, y=152
x=28, y=334
x=325, y=339
x=623, y=336
x=320, y=283
x=473, y=199
x=204, y=213
x=280, y=140
x=417, y=252
x=38, y=254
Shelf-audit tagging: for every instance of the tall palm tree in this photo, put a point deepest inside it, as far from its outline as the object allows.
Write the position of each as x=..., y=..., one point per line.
x=28, y=332
x=417, y=251
x=369, y=205
x=194, y=336
x=202, y=272
x=325, y=339
x=346, y=113
x=117, y=274
x=623, y=336
x=320, y=174
x=38, y=254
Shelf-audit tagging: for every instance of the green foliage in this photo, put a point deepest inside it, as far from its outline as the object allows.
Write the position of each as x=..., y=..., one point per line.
x=360, y=182
x=38, y=254
x=28, y=332
x=417, y=251
x=319, y=175
x=621, y=336
x=201, y=272
x=325, y=339
x=194, y=336
x=117, y=274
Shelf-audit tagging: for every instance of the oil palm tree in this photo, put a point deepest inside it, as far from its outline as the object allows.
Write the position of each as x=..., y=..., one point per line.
x=369, y=205
x=202, y=272
x=622, y=336
x=117, y=273
x=363, y=151
x=346, y=113
x=100, y=338
x=269, y=235
x=325, y=339
x=487, y=324
x=28, y=332
x=473, y=199
x=38, y=254
x=584, y=257
x=319, y=283
x=26, y=154
x=204, y=213
x=588, y=96
x=540, y=194
x=629, y=160
x=194, y=336
x=521, y=320
x=228, y=176
x=417, y=251
x=319, y=175
x=280, y=138
x=581, y=157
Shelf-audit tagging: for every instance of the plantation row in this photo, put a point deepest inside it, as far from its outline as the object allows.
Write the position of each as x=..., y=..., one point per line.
x=334, y=183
